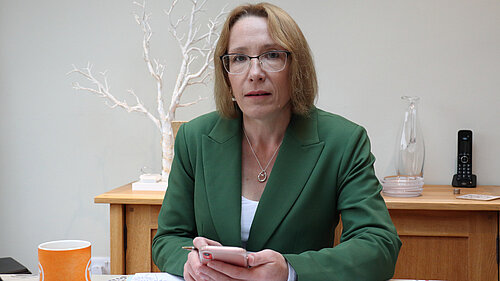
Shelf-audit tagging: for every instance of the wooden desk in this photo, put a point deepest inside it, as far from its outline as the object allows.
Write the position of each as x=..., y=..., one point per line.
x=447, y=238
x=443, y=237
x=133, y=224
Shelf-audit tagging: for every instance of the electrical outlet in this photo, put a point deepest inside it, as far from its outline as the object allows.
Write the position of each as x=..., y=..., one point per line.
x=100, y=265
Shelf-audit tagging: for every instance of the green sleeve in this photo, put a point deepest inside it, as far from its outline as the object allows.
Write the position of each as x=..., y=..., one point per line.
x=369, y=243
x=176, y=222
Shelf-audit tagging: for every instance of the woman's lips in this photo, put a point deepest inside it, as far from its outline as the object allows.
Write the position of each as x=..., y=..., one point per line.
x=257, y=94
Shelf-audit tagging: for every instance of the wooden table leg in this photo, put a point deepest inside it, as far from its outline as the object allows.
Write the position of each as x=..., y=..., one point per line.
x=117, y=238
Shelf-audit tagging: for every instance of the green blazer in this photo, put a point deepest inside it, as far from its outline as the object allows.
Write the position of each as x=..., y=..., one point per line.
x=324, y=168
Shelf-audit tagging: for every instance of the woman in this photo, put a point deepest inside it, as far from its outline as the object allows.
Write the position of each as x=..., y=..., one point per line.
x=270, y=172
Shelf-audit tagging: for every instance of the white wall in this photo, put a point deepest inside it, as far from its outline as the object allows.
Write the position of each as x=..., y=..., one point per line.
x=60, y=148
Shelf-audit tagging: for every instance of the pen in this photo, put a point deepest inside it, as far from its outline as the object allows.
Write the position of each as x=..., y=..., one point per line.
x=189, y=248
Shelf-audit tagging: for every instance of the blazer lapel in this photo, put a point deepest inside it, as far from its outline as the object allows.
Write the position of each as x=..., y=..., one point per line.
x=222, y=170
x=296, y=159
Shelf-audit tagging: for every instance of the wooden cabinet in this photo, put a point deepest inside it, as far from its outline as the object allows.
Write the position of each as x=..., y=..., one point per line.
x=141, y=224
x=133, y=224
x=447, y=245
x=446, y=238
x=443, y=237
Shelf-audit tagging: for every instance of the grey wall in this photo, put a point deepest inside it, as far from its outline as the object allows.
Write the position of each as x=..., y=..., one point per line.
x=60, y=148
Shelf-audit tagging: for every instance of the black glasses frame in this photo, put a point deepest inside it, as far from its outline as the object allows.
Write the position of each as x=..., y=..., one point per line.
x=288, y=53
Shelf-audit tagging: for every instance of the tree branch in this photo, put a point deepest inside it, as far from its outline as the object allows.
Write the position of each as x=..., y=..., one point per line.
x=156, y=72
x=193, y=46
x=191, y=103
x=102, y=90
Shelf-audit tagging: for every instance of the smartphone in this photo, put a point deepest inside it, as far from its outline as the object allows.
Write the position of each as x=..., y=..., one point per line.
x=232, y=255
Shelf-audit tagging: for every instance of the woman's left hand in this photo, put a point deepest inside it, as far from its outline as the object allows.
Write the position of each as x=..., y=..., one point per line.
x=264, y=265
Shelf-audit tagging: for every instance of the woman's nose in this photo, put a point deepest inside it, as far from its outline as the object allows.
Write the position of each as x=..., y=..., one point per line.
x=256, y=72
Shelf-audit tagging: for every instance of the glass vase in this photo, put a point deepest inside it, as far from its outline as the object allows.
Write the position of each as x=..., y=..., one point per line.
x=407, y=180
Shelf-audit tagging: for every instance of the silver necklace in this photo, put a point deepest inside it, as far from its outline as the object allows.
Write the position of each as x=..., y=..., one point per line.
x=262, y=176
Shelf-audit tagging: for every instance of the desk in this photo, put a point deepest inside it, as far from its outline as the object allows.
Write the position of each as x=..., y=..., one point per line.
x=133, y=224
x=447, y=238
x=443, y=237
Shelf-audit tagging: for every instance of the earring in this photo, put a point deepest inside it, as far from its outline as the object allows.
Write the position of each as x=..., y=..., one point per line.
x=231, y=93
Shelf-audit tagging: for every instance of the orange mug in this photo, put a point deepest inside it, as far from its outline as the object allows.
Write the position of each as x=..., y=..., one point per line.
x=64, y=260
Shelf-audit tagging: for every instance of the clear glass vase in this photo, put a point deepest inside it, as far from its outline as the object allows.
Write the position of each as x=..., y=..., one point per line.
x=407, y=179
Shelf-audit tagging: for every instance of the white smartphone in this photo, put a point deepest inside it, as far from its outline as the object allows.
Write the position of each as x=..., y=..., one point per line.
x=232, y=255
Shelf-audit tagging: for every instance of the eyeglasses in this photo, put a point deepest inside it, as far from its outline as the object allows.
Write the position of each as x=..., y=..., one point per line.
x=272, y=61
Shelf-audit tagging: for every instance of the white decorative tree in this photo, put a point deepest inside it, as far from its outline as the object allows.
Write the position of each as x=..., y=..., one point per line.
x=193, y=47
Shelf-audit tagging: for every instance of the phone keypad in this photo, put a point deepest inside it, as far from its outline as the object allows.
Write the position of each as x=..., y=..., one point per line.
x=464, y=167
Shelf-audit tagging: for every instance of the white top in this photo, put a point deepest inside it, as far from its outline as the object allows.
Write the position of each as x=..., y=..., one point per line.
x=248, y=208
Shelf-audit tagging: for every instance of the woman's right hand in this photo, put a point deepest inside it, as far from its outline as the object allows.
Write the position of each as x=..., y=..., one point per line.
x=193, y=264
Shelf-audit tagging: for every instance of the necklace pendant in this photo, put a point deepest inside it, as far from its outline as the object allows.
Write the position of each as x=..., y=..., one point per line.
x=262, y=176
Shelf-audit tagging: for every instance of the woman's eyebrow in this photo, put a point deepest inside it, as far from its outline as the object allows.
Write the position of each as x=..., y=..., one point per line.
x=272, y=46
x=242, y=50
x=238, y=50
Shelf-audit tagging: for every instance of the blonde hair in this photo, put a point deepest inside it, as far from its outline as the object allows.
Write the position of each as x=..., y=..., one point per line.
x=285, y=32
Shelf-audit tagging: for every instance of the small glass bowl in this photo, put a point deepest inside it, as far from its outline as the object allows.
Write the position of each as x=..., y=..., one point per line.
x=402, y=186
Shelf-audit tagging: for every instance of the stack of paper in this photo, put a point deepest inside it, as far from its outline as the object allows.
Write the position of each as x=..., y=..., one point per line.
x=154, y=277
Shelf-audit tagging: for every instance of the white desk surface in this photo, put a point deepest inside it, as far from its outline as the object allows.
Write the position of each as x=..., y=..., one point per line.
x=34, y=277
x=30, y=277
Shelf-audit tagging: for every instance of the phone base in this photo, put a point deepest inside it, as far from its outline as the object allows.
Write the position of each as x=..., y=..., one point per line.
x=459, y=181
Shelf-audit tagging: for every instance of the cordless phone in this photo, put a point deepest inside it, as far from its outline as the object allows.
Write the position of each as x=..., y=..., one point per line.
x=464, y=176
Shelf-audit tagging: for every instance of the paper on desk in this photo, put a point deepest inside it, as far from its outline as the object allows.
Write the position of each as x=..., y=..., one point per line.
x=481, y=197
x=14, y=277
x=155, y=277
